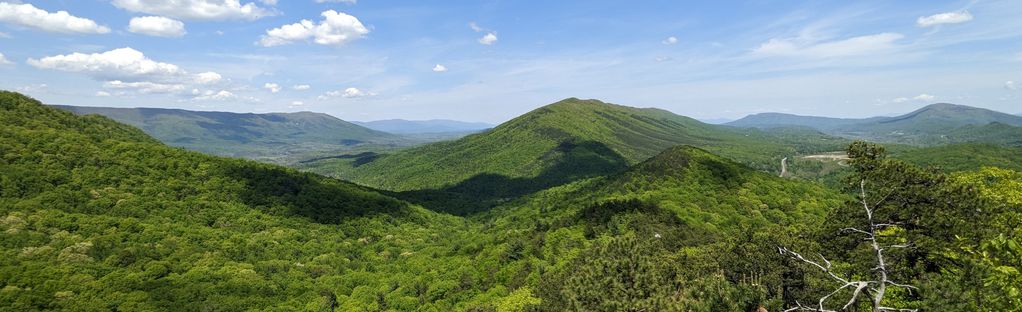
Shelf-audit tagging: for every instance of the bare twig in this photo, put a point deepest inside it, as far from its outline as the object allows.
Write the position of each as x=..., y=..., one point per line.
x=878, y=288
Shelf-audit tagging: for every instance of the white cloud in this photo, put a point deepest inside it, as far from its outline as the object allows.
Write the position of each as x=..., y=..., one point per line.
x=209, y=10
x=102, y=94
x=157, y=26
x=269, y=2
x=475, y=27
x=336, y=28
x=3, y=60
x=118, y=64
x=1010, y=85
x=296, y=104
x=208, y=78
x=355, y=93
x=924, y=97
x=144, y=86
x=855, y=46
x=900, y=100
x=210, y=95
x=347, y=93
x=273, y=87
x=944, y=18
x=61, y=21
x=124, y=64
x=439, y=68
x=488, y=39
x=670, y=40
x=301, y=87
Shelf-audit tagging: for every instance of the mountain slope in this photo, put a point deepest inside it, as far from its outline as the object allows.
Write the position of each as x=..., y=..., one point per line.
x=97, y=216
x=401, y=126
x=685, y=214
x=545, y=139
x=934, y=124
x=778, y=120
x=244, y=135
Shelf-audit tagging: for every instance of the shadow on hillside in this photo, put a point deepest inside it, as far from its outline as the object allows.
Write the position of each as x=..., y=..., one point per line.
x=286, y=192
x=572, y=162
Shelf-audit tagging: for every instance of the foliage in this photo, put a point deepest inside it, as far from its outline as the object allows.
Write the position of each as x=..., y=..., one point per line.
x=535, y=144
x=96, y=215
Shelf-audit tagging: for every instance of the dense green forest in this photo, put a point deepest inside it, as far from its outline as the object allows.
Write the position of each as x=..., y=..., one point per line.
x=556, y=144
x=96, y=215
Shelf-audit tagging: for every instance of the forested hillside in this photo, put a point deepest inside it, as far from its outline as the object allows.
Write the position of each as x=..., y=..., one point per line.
x=544, y=146
x=262, y=136
x=96, y=215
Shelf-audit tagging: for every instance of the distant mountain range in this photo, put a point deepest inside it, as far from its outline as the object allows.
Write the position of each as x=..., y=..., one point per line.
x=401, y=126
x=931, y=125
x=244, y=135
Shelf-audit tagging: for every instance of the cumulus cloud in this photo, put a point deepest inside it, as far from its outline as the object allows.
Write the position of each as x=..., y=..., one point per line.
x=924, y=97
x=211, y=95
x=118, y=64
x=269, y=2
x=273, y=87
x=61, y=21
x=488, y=39
x=855, y=46
x=296, y=104
x=1010, y=85
x=944, y=18
x=670, y=40
x=102, y=94
x=336, y=28
x=347, y=93
x=156, y=26
x=144, y=86
x=439, y=68
x=3, y=60
x=207, y=10
x=208, y=78
x=301, y=87
x=129, y=70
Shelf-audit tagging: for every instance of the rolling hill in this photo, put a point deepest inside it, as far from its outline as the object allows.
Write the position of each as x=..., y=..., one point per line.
x=931, y=125
x=543, y=147
x=682, y=214
x=259, y=136
x=401, y=126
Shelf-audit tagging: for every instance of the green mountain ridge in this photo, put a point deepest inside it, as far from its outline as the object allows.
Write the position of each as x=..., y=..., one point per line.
x=532, y=144
x=245, y=134
x=402, y=126
x=934, y=124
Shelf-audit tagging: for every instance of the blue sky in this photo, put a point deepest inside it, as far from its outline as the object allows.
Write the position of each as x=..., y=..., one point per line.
x=375, y=59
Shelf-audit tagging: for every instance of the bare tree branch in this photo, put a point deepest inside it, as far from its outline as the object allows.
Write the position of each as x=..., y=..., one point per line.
x=878, y=287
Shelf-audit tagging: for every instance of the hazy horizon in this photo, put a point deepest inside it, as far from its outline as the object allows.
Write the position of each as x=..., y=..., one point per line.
x=491, y=61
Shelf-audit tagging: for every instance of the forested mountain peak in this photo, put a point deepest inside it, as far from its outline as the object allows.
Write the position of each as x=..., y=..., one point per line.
x=553, y=138
x=955, y=114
